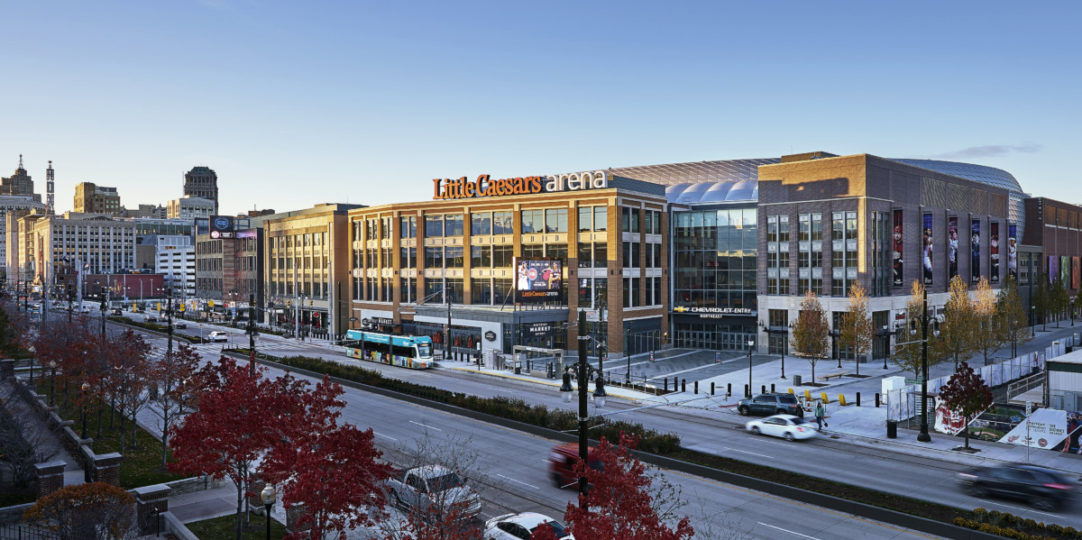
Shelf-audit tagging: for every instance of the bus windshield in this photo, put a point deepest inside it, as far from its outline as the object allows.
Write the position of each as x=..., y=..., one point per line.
x=424, y=350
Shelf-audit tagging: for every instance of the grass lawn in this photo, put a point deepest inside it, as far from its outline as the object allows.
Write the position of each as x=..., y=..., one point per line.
x=225, y=527
x=141, y=466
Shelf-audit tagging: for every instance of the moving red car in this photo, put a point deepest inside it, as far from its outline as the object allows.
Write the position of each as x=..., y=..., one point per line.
x=562, y=464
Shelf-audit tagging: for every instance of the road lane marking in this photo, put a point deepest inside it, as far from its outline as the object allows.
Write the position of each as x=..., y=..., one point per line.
x=426, y=426
x=517, y=481
x=384, y=436
x=787, y=530
x=746, y=452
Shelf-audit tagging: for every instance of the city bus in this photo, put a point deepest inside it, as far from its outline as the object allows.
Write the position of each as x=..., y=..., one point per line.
x=403, y=351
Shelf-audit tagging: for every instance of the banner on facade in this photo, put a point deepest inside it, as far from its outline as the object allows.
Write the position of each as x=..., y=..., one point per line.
x=1012, y=250
x=538, y=280
x=975, y=250
x=928, y=249
x=898, y=262
x=1046, y=427
x=993, y=251
x=952, y=247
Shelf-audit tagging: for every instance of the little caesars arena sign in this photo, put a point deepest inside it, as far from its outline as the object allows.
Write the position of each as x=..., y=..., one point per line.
x=485, y=186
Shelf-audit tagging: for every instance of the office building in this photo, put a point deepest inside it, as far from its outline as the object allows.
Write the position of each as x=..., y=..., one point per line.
x=94, y=199
x=190, y=207
x=202, y=182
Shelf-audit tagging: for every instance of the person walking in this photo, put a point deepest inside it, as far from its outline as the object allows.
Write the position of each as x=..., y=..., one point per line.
x=820, y=413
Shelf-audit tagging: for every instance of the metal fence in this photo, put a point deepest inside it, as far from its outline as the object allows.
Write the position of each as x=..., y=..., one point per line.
x=18, y=531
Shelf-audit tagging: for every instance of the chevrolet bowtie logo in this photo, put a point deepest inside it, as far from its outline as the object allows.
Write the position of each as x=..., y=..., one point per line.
x=679, y=309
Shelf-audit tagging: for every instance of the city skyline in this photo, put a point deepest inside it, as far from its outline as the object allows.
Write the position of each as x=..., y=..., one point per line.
x=344, y=98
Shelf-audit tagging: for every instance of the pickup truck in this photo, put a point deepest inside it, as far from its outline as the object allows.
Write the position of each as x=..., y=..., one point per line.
x=436, y=491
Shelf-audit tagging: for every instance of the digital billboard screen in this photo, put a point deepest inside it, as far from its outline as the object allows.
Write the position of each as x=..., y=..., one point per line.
x=222, y=227
x=538, y=280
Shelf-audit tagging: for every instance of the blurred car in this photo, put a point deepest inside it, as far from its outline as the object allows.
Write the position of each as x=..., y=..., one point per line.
x=764, y=404
x=180, y=324
x=117, y=311
x=562, y=464
x=1044, y=489
x=522, y=526
x=787, y=426
x=217, y=336
x=151, y=318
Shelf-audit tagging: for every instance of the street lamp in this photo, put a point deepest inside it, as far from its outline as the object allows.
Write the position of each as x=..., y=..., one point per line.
x=268, y=495
x=566, y=390
x=251, y=335
x=751, y=344
x=923, y=436
x=834, y=335
x=52, y=383
x=785, y=344
x=84, y=387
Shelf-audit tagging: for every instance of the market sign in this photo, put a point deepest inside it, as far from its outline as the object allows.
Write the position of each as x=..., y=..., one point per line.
x=705, y=312
x=486, y=186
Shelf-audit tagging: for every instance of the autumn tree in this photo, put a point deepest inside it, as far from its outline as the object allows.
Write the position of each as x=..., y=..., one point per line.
x=178, y=388
x=130, y=372
x=986, y=334
x=1059, y=300
x=810, y=332
x=332, y=469
x=94, y=510
x=908, y=352
x=856, y=328
x=967, y=394
x=959, y=321
x=1041, y=299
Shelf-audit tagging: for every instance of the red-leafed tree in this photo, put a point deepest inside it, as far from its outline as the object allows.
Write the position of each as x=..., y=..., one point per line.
x=967, y=394
x=130, y=372
x=333, y=470
x=239, y=419
x=178, y=388
x=618, y=505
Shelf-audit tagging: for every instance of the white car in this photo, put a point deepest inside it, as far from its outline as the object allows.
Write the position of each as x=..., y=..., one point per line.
x=522, y=526
x=217, y=336
x=787, y=426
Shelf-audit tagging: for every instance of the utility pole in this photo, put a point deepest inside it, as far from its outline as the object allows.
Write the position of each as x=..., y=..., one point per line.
x=251, y=334
x=923, y=436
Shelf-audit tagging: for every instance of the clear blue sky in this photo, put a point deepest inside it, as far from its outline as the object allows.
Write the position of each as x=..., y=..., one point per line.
x=300, y=102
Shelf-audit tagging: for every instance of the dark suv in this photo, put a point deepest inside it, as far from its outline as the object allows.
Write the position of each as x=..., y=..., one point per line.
x=766, y=404
x=1044, y=489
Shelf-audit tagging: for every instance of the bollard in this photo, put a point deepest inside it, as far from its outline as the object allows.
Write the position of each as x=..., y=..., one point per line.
x=763, y=390
x=824, y=396
x=684, y=385
x=791, y=392
x=747, y=391
x=771, y=388
x=696, y=387
x=877, y=400
x=729, y=389
x=666, y=385
x=858, y=399
x=807, y=395
x=841, y=400
x=711, y=388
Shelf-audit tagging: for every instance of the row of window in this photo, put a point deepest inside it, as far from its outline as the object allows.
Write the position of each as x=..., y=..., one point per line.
x=548, y=220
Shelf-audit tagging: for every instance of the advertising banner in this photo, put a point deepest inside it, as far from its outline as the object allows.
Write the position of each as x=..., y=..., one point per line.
x=975, y=250
x=993, y=251
x=538, y=280
x=1047, y=428
x=897, y=251
x=1053, y=269
x=952, y=247
x=1074, y=273
x=929, y=249
x=1065, y=269
x=1012, y=250
x=946, y=420
x=222, y=227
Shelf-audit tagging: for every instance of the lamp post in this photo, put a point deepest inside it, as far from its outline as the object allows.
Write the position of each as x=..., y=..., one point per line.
x=52, y=383
x=583, y=367
x=84, y=387
x=251, y=334
x=268, y=496
x=885, y=332
x=834, y=334
x=751, y=344
x=770, y=330
x=923, y=436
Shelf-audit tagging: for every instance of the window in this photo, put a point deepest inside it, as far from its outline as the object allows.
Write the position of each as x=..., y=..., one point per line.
x=629, y=219
x=502, y=223
x=601, y=255
x=480, y=256
x=433, y=226
x=601, y=218
x=452, y=225
x=556, y=251
x=533, y=250
x=407, y=227
x=370, y=230
x=454, y=290
x=433, y=291
x=433, y=257
x=586, y=218
x=556, y=220
x=408, y=258
x=453, y=257
x=533, y=221
x=586, y=258
x=481, y=291
x=481, y=224
x=502, y=256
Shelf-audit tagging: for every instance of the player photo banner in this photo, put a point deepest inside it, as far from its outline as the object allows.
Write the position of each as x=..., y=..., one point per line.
x=928, y=250
x=1012, y=250
x=538, y=280
x=952, y=248
x=1074, y=273
x=975, y=250
x=993, y=251
x=897, y=251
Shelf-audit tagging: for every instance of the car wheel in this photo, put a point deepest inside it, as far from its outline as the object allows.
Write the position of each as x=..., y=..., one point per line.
x=781, y=411
x=755, y=430
x=789, y=436
x=1044, y=503
x=743, y=411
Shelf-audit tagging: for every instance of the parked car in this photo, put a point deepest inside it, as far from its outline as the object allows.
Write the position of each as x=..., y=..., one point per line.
x=217, y=336
x=764, y=404
x=522, y=526
x=436, y=491
x=1042, y=488
x=562, y=464
x=787, y=426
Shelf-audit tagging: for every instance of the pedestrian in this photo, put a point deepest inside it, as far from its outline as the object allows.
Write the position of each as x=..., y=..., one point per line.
x=820, y=413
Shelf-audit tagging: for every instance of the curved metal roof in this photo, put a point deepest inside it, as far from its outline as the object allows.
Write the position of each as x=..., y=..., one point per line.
x=977, y=173
x=713, y=192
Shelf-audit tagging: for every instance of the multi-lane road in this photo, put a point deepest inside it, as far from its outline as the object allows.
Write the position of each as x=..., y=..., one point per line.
x=512, y=469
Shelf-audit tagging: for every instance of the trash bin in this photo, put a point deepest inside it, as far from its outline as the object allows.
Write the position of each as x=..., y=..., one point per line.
x=892, y=429
x=797, y=380
x=518, y=364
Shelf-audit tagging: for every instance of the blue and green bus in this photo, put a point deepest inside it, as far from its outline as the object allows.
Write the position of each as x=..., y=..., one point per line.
x=403, y=351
